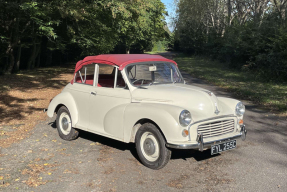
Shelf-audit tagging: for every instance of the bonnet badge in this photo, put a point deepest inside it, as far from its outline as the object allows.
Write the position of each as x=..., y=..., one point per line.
x=216, y=109
x=209, y=93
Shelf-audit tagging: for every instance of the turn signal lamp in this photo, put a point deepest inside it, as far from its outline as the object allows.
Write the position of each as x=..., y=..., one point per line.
x=185, y=133
x=241, y=122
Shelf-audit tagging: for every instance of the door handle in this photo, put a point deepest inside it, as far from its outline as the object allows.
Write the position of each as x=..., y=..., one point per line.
x=94, y=93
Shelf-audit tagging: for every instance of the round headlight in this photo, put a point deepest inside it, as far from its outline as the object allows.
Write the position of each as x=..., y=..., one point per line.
x=185, y=118
x=239, y=109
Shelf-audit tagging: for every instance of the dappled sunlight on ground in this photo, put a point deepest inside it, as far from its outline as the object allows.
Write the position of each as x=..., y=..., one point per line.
x=23, y=97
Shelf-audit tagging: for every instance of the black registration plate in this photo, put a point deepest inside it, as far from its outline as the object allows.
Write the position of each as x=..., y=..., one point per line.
x=223, y=147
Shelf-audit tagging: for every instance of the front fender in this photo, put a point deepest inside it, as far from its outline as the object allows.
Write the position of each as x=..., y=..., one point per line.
x=164, y=115
x=227, y=105
x=64, y=98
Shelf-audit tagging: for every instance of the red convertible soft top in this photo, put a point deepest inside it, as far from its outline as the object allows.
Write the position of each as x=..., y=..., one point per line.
x=120, y=60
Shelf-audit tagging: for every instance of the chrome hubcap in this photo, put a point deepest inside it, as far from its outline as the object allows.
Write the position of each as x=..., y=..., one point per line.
x=65, y=123
x=149, y=147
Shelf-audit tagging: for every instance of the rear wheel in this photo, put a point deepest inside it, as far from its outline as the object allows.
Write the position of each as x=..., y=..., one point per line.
x=64, y=125
x=150, y=145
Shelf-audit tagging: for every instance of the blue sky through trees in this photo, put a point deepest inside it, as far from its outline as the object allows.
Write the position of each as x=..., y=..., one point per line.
x=169, y=4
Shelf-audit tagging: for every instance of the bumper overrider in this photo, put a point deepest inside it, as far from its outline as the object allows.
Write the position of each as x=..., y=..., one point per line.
x=201, y=145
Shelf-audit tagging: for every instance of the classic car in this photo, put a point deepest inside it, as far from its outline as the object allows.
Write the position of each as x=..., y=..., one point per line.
x=144, y=99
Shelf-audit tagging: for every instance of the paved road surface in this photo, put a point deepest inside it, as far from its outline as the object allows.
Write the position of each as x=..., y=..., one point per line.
x=95, y=163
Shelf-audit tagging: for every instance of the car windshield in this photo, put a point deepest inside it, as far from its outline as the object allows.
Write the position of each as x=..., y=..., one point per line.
x=153, y=73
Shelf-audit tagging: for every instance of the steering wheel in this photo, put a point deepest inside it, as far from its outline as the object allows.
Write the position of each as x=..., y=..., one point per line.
x=138, y=80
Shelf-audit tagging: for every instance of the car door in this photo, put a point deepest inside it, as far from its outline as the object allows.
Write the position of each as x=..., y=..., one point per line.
x=108, y=100
x=81, y=89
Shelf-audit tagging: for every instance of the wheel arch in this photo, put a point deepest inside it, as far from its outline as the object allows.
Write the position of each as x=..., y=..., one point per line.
x=164, y=116
x=58, y=107
x=67, y=100
x=139, y=123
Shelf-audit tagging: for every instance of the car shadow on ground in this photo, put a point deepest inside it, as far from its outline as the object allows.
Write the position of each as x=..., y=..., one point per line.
x=176, y=154
x=189, y=153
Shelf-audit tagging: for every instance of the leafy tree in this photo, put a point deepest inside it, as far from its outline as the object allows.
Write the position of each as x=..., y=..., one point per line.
x=246, y=34
x=39, y=32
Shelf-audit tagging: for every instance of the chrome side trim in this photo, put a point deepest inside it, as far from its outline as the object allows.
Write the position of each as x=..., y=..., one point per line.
x=183, y=146
x=224, y=116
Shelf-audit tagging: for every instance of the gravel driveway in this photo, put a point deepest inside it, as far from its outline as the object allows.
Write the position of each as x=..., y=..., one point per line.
x=44, y=162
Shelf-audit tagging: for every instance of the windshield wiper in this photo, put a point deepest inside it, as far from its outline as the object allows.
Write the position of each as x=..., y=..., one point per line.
x=141, y=87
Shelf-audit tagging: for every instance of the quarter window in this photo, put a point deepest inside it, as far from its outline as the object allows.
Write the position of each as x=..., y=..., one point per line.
x=85, y=75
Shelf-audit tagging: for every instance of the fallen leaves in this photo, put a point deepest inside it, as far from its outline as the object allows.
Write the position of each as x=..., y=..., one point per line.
x=97, y=143
x=3, y=183
x=178, y=183
x=34, y=172
x=72, y=170
x=23, y=97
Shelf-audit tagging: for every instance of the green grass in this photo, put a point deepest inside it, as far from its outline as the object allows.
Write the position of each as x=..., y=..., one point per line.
x=244, y=84
x=155, y=52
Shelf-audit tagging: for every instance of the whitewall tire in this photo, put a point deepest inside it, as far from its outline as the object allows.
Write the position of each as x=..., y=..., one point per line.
x=64, y=125
x=150, y=145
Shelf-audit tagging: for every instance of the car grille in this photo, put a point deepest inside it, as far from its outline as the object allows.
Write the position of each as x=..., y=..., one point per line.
x=216, y=128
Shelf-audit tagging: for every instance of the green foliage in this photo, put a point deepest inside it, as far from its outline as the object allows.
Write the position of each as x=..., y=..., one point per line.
x=160, y=46
x=252, y=37
x=48, y=32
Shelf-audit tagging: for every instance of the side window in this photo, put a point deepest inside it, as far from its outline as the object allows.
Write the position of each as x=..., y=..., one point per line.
x=107, y=75
x=86, y=75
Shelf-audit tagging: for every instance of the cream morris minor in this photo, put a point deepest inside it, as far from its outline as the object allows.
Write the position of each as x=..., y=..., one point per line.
x=143, y=99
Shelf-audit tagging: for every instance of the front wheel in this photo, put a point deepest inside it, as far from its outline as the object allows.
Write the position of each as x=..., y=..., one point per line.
x=64, y=125
x=150, y=146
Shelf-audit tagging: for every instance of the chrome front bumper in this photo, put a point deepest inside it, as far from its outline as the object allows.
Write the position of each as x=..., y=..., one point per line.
x=201, y=145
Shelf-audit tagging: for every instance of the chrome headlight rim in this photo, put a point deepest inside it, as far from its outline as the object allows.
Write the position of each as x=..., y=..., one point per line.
x=240, y=109
x=185, y=118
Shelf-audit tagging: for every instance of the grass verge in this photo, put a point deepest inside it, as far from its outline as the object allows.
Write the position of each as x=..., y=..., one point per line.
x=245, y=85
x=155, y=52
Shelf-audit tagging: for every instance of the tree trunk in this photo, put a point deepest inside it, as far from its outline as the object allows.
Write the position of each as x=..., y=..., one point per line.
x=228, y=12
x=49, y=57
x=14, y=38
x=17, y=66
x=39, y=56
x=38, y=48
x=34, y=54
x=11, y=62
